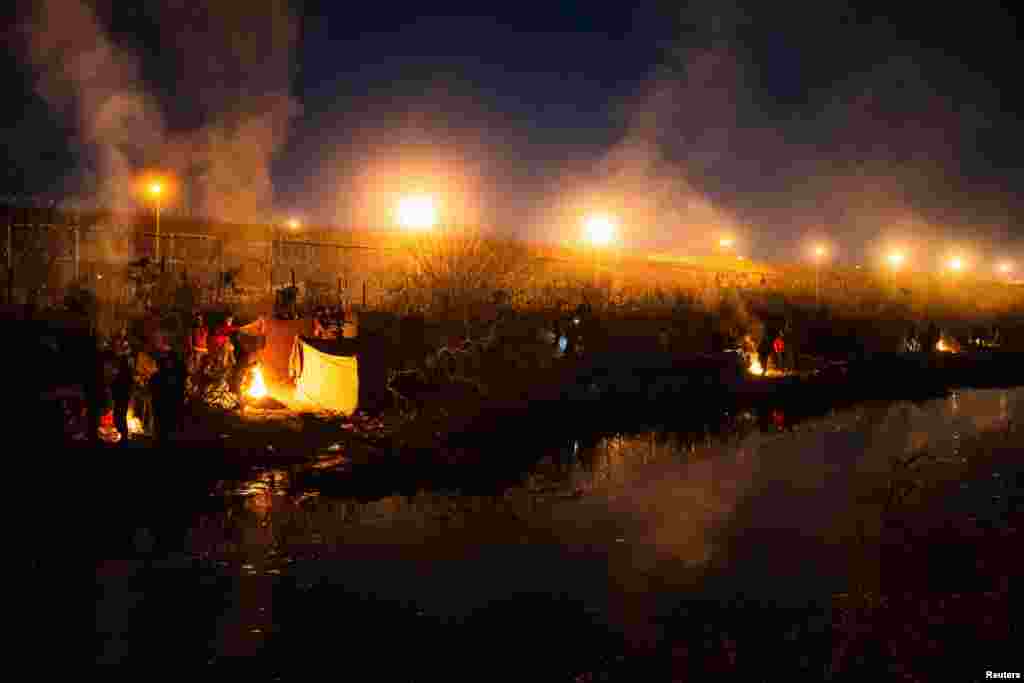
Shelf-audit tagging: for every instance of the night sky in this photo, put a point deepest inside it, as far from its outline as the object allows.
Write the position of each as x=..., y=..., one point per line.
x=776, y=122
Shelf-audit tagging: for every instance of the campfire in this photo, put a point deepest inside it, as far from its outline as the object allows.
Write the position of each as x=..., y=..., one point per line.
x=257, y=388
x=946, y=346
x=755, y=366
x=134, y=423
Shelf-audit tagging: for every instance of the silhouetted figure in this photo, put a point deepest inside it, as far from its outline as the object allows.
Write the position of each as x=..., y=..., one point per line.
x=121, y=392
x=168, y=385
x=97, y=393
x=764, y=350
x=932, y=338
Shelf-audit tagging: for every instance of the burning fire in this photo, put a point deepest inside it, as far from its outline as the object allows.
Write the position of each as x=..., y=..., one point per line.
x=134, y=423
x=945, y=347
x=257, y=387
x=755, y=366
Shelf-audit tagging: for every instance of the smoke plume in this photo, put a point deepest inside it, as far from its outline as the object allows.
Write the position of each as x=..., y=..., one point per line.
x=217, y=128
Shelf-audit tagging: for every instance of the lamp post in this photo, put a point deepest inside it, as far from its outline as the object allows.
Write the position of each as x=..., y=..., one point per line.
x=819, y=253
x=599, y=232
x=155, y=191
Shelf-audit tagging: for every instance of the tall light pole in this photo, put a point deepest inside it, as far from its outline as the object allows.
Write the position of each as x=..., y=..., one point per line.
x=599, y=231
x=155, y=191
x=819, y=253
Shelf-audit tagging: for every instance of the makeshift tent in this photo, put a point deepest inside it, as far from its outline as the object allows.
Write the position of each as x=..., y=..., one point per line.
x=327, y=379
x=280, y=340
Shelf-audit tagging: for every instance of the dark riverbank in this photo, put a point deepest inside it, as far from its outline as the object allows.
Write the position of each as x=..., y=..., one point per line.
x=581, y=562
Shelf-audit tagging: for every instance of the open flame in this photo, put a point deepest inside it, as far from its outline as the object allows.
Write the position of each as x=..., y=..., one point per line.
x=257, y=387
x=755, y=366
x=946, y=347
x=134, y=423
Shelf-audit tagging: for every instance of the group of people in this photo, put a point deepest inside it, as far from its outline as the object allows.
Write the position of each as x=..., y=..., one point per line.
x=153, y=381
x=150, y=383
x=328, y=321
x=772, y=349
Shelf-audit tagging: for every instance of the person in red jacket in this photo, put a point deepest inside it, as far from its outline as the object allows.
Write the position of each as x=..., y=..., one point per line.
x=197, y=343
x=221, y=349
x=779, y=347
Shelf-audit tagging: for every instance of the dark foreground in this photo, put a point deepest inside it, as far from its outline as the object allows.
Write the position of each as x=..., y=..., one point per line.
x=758, y=543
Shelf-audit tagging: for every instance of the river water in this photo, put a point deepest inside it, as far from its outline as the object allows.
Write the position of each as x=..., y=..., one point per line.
x=583, y=557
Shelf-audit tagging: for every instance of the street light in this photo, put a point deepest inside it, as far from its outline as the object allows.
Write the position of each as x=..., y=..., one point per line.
x=599, y=230
x=416, y=212
x=156, y=189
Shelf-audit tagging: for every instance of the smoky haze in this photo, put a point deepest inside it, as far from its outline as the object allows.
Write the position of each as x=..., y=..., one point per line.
x=778, y=125
x=228, y=92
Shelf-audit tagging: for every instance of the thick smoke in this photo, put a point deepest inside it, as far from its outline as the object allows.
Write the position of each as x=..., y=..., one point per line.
x=230, y=102
x=870, y=155
x=82, y=71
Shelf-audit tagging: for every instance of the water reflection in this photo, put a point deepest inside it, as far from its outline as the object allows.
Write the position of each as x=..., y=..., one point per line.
x=757, y=502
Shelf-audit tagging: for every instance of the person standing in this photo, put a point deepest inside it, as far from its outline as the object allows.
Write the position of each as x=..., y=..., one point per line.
x=98, y=393
x=145, y=368
x=221, y=348
x=168, y=387
x=779, y=348
x=764, y=350
x=121, y=392
x=198, y=344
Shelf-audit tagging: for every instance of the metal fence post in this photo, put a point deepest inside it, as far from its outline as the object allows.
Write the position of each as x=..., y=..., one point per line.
x=77, y=255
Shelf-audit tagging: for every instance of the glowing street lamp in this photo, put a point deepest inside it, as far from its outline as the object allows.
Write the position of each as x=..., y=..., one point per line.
x=599, y=230
x=417, y=212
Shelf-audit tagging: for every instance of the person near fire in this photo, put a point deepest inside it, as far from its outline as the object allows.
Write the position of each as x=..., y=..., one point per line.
x=222, y=351
x=779, y=349
x=142, y=397
x=168, y=390
x=121, y=391
x=764, y=350
x=197, y=347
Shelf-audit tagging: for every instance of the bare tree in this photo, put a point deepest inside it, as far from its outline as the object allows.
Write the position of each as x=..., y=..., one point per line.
x=465, y=267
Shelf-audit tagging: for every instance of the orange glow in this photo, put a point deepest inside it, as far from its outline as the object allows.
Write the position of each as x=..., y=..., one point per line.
x=416, y=212
x=819, y=252
x=600, y=230
x=294, y=223
x=896, y=259
x=956, y=263
x=134, y=423
x=726, y=242
x=1005, y=268
x=755, y=367
x=257, y=387
x=155, y=187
